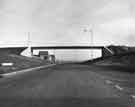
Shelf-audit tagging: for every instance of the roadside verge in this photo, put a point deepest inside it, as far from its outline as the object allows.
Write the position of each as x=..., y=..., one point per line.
x=26, y=70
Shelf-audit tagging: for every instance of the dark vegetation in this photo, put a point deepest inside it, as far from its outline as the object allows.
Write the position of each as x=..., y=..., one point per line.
x=123, y=59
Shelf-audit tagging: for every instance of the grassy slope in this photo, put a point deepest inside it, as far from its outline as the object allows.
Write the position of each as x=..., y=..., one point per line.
x=123, y=62
x=20, y=62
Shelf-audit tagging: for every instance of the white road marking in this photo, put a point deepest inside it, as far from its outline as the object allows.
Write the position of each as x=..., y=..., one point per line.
x=117, y=80
x=118, y=87
x=26, y=70
x=109, y=82
x=133, y=96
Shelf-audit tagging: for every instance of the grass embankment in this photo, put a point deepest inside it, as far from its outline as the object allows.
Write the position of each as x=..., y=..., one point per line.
x=19, y=63
x=122, y=62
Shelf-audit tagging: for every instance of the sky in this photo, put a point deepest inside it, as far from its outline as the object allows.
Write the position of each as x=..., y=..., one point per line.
x=63, y=22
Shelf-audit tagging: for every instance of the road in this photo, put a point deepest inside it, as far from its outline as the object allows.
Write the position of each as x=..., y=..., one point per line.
x=69, y=85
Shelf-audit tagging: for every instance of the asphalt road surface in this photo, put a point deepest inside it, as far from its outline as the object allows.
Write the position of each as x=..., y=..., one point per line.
x=69, y=85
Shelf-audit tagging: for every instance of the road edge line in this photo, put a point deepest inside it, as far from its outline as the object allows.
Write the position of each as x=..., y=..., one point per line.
x=26, y=70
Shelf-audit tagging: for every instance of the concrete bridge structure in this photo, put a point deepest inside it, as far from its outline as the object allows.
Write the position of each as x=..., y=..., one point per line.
x=17, y=50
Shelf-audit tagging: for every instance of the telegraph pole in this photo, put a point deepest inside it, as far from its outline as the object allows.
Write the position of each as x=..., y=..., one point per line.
x=29, y=44
x=91, y=36
x=90, y=31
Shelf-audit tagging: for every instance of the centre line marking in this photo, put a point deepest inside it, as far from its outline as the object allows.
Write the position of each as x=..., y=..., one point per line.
x=109, y=82
x=118, y=87
x=133, y=96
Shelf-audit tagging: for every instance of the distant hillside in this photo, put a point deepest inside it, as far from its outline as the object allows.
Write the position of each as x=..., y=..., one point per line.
x=121, y=49
x=123, y=57
x=122, y=62
x=11, y=50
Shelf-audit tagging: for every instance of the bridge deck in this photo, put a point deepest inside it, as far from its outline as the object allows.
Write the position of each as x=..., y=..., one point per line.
x=68, y=47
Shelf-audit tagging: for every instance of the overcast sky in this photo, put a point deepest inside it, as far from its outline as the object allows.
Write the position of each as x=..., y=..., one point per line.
x=56, y=22
x=64, y=21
